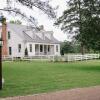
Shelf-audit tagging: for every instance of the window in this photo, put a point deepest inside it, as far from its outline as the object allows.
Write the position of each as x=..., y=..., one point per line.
x=30, y=47
x=10, y=51
x=41, y=48
x=56, y=48
x=19, y=47
x=9, y=35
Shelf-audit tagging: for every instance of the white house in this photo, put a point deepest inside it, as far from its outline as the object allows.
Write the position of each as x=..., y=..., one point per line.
x=23, y=41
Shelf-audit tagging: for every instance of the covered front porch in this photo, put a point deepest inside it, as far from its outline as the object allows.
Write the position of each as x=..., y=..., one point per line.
x=44, y=49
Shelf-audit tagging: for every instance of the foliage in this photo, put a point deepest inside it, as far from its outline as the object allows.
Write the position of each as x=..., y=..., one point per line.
x=66, y=47
x=82, y=18
x=70, y=47
x=16, y=22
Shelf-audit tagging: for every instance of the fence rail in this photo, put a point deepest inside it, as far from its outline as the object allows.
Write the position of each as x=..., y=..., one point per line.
x=82, y=57
x=74, y=57
x=68, y=57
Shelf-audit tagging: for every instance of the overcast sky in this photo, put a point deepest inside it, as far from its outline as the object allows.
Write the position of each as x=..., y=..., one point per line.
x=41, y=17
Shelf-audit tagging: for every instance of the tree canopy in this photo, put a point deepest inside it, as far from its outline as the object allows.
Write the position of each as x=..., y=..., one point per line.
x=82, y=18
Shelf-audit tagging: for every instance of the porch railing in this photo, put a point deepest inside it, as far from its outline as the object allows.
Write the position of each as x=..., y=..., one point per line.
x=43, y=53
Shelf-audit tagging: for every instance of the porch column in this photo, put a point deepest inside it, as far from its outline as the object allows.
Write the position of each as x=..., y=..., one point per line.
x=54, y=49
x=34, y=49
x=50, y=50
x=43, y=49
x=47, y=49
x=39, y=49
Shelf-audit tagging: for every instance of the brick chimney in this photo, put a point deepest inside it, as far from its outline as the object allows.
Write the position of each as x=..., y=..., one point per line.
x=4, y=38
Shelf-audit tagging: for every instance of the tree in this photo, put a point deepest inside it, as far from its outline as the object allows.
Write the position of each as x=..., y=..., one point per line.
x=66, y=47
x=43, y=6
x=82, y=18
x=91, y=24
x=70, y=47
x=71, y=20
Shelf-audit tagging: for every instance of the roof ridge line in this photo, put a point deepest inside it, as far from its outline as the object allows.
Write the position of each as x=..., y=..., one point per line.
x=28, y=35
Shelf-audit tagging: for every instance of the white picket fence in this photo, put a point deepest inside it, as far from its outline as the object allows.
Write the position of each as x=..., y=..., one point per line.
x=67, y=58
x=11, y=58
x=82, y=57
x=7, y=58
x=76, y=57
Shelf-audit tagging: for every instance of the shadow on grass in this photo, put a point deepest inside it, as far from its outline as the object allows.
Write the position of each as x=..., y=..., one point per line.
x=88, y=68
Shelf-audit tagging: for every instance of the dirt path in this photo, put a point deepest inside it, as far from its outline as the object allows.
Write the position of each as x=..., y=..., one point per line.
x=91, y=93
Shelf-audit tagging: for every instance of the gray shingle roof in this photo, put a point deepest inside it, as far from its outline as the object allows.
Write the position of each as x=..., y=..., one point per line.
x=21, y=30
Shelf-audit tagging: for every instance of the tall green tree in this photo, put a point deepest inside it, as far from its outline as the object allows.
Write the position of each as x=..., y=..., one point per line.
x=82, y=18
x=91, y=30
x=72, y=18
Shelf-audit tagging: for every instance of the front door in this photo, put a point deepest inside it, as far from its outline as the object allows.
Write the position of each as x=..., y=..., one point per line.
x=26, y=52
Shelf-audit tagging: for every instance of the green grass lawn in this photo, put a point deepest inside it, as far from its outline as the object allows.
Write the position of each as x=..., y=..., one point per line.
x=23, y=78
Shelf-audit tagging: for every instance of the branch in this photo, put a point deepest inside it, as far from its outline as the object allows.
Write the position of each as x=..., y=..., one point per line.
x=32, y=20
x=44, y=6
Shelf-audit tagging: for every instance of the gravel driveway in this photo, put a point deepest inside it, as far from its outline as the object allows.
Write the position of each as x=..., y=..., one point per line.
x=91, y=93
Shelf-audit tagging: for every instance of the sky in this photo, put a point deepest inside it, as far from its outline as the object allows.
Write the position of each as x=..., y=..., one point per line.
x=41, y=17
